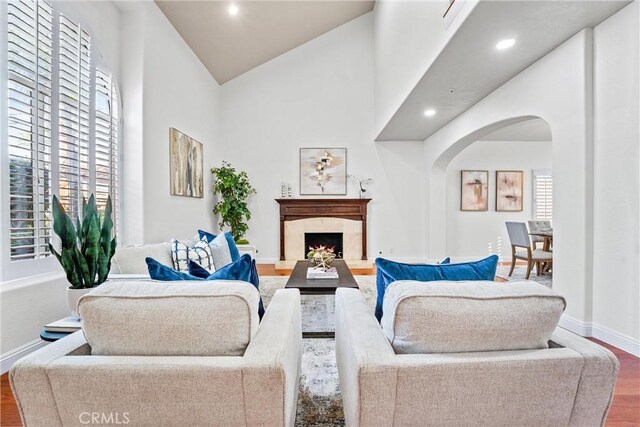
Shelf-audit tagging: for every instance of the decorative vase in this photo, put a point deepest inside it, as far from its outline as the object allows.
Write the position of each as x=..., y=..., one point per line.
x=73, y=295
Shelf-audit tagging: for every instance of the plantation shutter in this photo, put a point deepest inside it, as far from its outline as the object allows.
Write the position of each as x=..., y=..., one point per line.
x=543, y=195
x=106, y=150
x=29, y=54
x=73, y=134
x=62, y=123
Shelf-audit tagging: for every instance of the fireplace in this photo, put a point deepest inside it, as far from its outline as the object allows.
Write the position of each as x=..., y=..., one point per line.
x=347, y=217
x=326, y=239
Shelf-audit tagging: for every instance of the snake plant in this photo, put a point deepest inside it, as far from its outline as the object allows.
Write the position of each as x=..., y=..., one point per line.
x=86, y=249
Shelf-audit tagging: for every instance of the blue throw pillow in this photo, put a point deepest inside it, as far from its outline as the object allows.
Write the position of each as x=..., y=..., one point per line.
x=233, y=248
x=158, y=271
x=197, y=270
x=390, y=271
x=243, y=269
x=446, y=260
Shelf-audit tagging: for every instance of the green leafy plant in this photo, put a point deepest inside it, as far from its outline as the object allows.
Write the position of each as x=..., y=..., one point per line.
x=87, y=248
x=234, y=190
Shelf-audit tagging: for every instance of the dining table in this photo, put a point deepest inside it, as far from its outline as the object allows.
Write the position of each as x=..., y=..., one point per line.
x=547, y=236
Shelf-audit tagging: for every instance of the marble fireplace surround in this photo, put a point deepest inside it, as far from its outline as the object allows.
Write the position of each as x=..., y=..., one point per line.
x=294, y=235
x=346, y=216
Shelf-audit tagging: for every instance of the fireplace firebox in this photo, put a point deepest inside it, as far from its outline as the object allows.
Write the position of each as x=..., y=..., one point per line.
x=325, y=239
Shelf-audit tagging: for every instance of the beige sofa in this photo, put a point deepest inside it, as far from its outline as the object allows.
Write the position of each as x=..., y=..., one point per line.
x=129, y=261
x=385, y=381
x=156, y=354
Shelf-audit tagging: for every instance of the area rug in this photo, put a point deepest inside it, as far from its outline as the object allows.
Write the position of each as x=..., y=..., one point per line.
x=520, y=273
x=319, y=399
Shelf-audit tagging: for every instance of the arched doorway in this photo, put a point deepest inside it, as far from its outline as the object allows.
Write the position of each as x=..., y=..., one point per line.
x=475, y=214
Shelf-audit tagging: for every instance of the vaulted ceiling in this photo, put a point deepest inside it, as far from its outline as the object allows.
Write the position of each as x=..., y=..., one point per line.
x=232, y=44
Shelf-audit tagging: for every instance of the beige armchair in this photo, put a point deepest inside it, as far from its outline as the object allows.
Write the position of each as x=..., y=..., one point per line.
x=569, y=383
x=67, y=383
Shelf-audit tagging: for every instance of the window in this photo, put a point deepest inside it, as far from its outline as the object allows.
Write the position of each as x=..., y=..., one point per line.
x=542, y=195
x=62, y=122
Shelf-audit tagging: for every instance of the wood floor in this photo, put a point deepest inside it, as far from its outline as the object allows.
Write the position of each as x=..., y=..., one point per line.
x=625, y=411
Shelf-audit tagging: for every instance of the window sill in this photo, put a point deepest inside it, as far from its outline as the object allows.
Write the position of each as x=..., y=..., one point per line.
x=28, y=281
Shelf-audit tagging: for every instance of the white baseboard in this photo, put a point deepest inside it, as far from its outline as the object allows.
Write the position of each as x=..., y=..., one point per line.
x=574, y=325
x=8, y=359
x=621, y=341
x=611, y=337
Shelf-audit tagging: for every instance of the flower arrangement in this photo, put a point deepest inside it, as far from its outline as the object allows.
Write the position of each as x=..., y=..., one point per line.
x=362, y=183
x=321, y=256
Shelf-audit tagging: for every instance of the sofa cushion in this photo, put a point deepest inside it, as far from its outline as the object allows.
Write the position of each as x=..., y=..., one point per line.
x=199, y=252
x=446, y=317
x=233, y=248
x=162, y=319
x=388, y=272
x=131, y=259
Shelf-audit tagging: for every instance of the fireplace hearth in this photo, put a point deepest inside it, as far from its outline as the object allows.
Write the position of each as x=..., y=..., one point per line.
x=325, y=239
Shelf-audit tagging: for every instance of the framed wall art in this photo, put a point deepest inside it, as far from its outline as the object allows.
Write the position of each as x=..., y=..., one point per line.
x=474, y=194
x=323, y=171
x=186, y=156
x=509, y=191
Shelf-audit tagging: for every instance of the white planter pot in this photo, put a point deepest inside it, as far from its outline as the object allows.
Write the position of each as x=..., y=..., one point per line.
x=73, y=295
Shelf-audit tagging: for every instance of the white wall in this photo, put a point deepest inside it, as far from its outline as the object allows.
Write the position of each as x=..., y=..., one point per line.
x=473, y=234
x=553, y=88
x=168, y=87
x=588, y=175
x=616, y=267
x=321, y=94
x=163, y=85
x=409, y=35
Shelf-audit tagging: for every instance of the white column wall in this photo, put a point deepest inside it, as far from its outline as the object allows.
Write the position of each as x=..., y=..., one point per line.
x=554, y=89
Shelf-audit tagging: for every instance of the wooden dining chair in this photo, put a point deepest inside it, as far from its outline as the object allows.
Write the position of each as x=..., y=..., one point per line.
x=519, y=237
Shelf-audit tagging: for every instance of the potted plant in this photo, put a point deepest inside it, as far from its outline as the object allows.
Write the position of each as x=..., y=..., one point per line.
x=234, y=190
x=86, y=248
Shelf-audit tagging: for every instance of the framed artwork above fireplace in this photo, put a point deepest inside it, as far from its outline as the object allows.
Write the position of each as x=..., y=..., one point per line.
x=323, y=171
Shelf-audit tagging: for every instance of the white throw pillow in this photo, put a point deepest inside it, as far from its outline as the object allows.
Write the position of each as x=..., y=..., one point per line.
x=200, y=253
x=220, y=252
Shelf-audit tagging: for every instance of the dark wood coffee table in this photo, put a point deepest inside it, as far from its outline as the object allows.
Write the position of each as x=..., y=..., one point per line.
x=298, y=280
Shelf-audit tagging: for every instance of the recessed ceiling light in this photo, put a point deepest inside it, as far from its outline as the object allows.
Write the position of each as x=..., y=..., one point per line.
x=505, y=44
x=233, y=10
x=429, y=112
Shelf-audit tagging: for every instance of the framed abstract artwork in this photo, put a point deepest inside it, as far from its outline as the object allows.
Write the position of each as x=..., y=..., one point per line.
x=323, y=171
x=186, y=156
x=474, y=194
x=509, y=191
